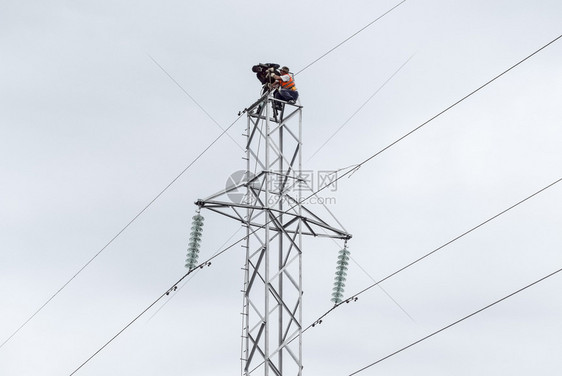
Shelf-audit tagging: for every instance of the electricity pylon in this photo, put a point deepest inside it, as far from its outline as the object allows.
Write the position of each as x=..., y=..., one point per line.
x=266, y=199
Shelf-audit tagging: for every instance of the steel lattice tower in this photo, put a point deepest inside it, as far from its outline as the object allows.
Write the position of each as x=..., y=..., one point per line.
x=266, y=199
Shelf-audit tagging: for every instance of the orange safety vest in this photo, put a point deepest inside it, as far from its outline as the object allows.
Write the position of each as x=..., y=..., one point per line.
x=288, y=84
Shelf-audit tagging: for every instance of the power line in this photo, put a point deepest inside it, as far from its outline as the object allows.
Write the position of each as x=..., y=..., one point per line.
x=122, y=330
x=354, y=169
x=354, y=296
x=457, y=322
x=357, y=32
x=173, y=181
x=350, y=172
x=173, y=288
x=383, y=290
x=207, y=262
x=360, y=107
x=379, y=286
x=451, y=106
x=183, y=285
x=357, y=166
x=436, y=250
x=117, y=235
x=314, y=193
x=194, y=101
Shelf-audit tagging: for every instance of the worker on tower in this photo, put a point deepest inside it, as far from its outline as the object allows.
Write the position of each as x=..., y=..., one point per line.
x=287, y=91
x=264, y=73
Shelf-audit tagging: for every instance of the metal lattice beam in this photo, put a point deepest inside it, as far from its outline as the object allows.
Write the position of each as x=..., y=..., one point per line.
x=275, y=221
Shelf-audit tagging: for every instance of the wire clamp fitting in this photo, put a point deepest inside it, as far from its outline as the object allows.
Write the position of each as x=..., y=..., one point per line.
x=317, y=322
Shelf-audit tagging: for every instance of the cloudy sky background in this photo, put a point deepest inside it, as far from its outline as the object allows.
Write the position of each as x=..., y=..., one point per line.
x=92, y=130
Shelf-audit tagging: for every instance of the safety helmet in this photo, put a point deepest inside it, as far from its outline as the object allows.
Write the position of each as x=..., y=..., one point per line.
x=284, y=69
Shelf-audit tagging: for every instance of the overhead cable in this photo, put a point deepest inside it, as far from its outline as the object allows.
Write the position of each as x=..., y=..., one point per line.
x=451, y=106
x=173, y=288
x=354, y=296
x=198, y=268
x=357, y=32
x=347, y=300
x=361, y=107
x=434, y=251
x=457, y=322
x=379, y=286
x=172, y=182
x=359, y=165
x=194, y=101
x=350, y=171
x=118, y=234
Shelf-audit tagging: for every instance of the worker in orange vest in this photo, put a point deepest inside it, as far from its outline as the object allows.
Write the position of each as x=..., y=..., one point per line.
x=287, y=91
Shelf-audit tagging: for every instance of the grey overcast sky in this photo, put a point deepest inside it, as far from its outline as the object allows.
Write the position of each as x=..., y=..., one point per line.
x=91, y=130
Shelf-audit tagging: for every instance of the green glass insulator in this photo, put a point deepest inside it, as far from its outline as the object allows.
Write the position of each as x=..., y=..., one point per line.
x=340, y=279
x=343, y=264
x=338, y=286
x=194, y=241
x=337, y=295
x=341, y=273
